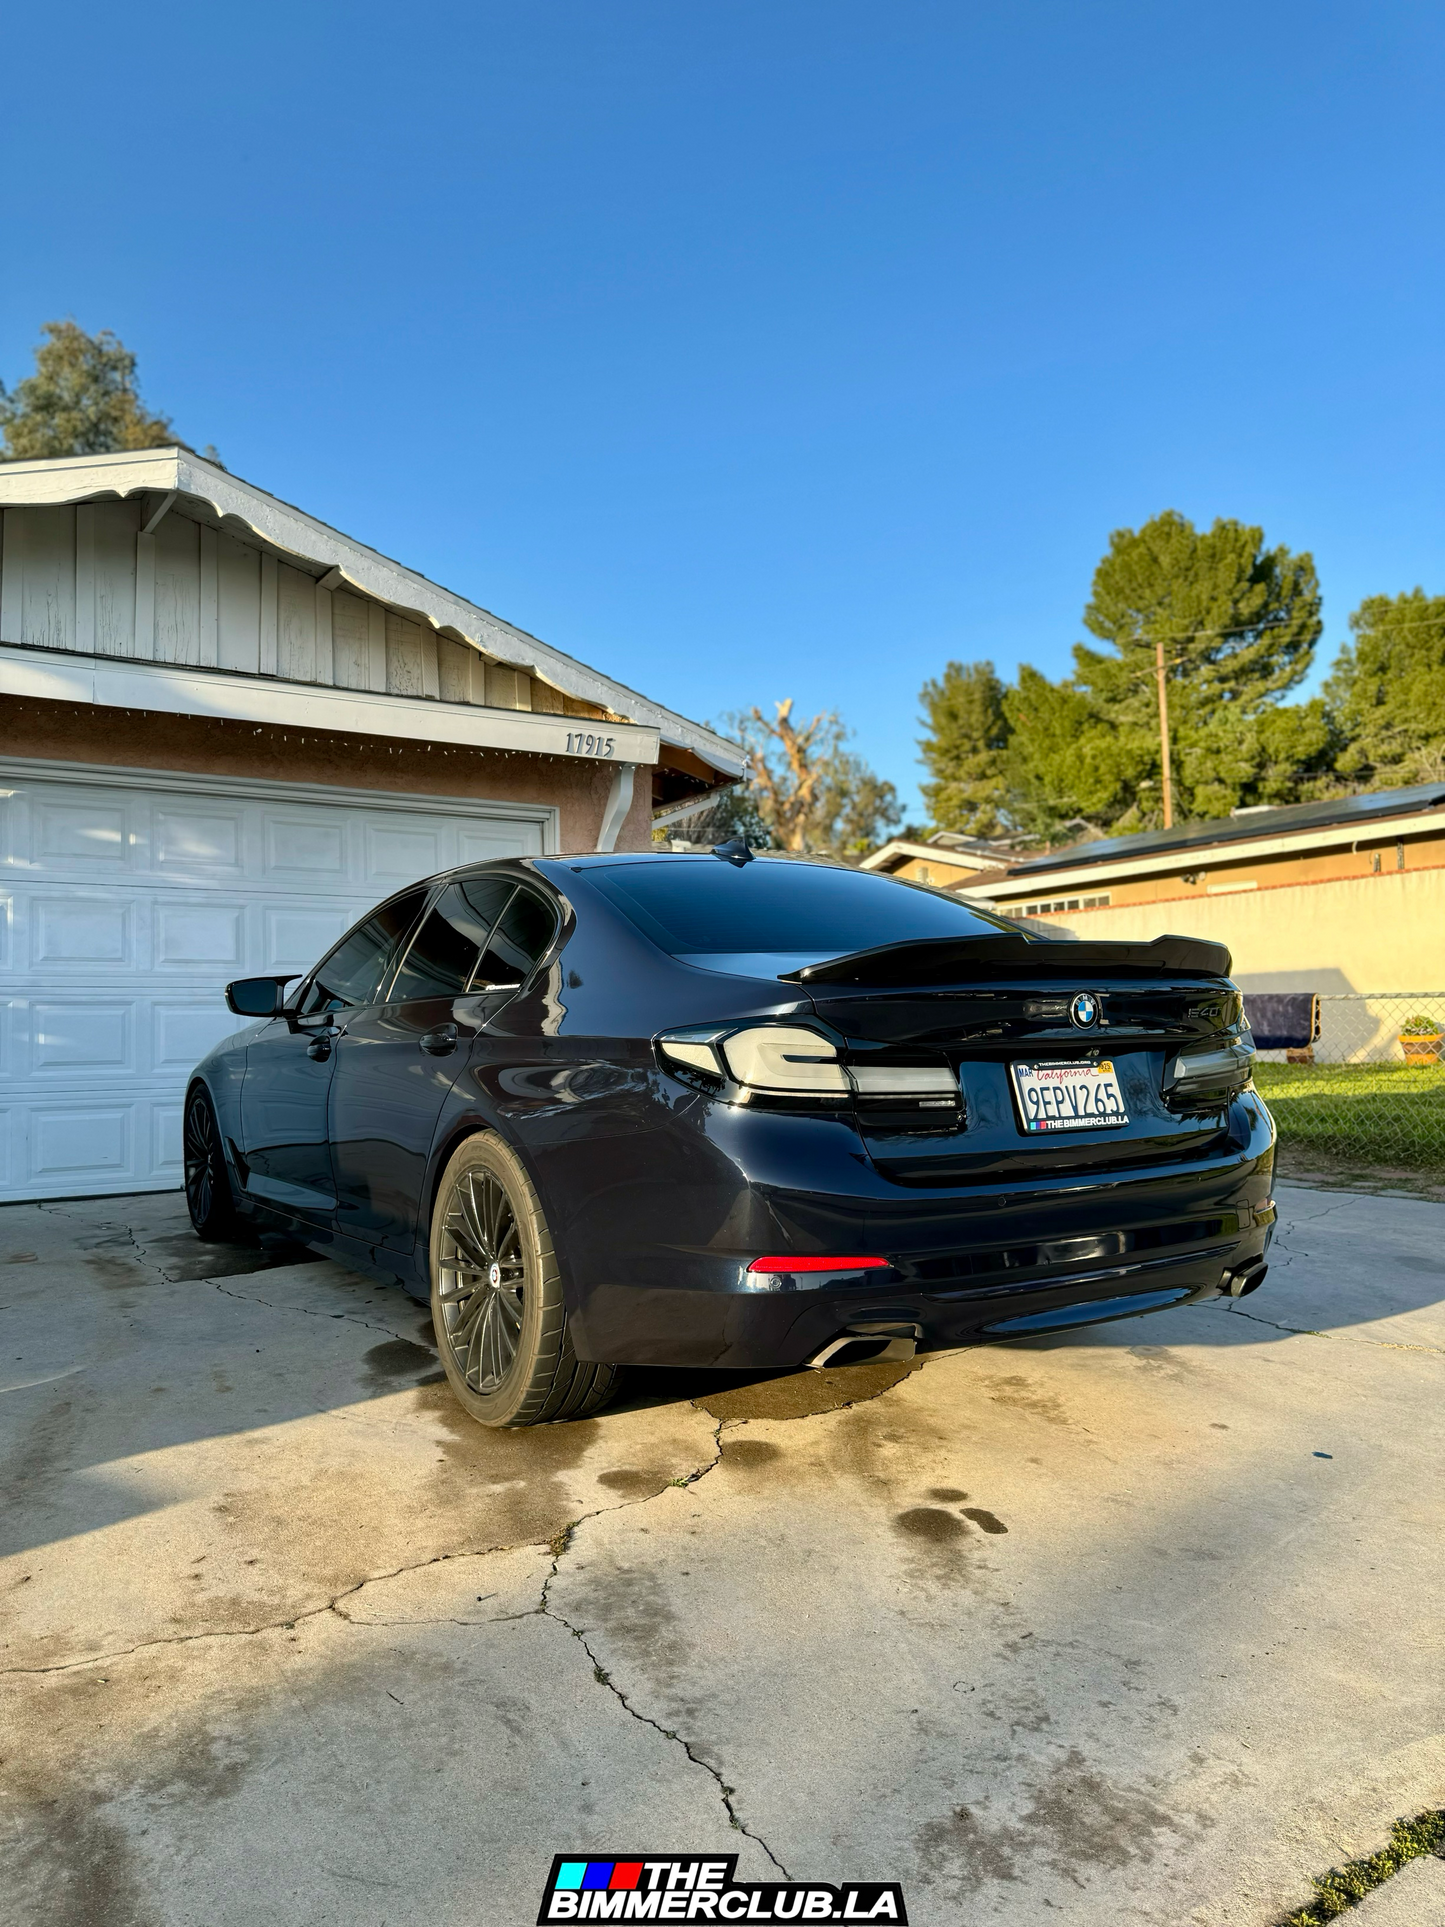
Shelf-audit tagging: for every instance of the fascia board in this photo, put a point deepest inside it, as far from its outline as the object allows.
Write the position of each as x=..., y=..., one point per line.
x=117, y=683
x=290, y=530
x=1379, y=829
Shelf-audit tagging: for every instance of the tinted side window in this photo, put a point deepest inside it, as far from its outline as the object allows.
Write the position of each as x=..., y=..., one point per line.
x=352, y=972
x=444, y=952
x=523, y=933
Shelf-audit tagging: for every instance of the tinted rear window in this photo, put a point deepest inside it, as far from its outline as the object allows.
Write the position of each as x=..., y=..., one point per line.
x=705, y=908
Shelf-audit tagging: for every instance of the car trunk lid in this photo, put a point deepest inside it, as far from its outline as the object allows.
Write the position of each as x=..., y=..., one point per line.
x=984, y=1005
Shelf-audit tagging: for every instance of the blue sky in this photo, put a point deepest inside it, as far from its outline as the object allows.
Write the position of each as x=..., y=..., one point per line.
x=759, y=350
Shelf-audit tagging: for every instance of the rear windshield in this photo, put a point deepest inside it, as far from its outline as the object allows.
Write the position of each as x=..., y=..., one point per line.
x=774, y=916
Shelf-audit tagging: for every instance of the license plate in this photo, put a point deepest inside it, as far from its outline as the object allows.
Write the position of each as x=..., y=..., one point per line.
x=1068, y=1097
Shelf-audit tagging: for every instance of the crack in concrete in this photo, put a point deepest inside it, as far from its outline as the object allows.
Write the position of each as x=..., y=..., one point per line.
x=1344, y=1338
x=307, y=1311
x=557, y=1544
x=561, y=1546
x=143, y=1256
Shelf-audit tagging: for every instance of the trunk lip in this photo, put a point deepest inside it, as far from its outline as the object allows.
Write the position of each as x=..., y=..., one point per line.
x=888, y=965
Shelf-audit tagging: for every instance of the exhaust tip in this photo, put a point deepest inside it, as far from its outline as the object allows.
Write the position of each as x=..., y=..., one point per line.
x=868, y=1345
x=1239, y=1284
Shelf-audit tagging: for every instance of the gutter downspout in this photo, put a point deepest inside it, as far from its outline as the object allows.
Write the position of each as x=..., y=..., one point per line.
x=619, y=802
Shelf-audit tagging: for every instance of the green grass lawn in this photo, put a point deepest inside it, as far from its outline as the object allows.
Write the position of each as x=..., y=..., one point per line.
x=1383, y=1113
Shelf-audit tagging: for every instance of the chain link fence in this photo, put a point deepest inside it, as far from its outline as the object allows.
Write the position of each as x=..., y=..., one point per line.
x=1372, y=1086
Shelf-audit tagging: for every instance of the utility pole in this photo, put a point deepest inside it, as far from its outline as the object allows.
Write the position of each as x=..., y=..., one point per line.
x=1164, y=736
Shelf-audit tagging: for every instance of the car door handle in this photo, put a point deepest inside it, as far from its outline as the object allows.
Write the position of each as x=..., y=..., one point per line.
x=438, y=1042
x=320, y=1045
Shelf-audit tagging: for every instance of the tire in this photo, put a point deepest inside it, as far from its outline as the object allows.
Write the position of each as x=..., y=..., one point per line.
x=496, y=1297
x=209, y=1197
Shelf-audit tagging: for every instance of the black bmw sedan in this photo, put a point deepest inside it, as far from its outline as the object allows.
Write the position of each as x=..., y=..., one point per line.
x=719, y=1110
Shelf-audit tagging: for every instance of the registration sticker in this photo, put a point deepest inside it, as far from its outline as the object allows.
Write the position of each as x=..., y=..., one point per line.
x=1068, y=1097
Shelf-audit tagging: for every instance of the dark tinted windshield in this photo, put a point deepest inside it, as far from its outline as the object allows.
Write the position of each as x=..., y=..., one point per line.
x=705, y=909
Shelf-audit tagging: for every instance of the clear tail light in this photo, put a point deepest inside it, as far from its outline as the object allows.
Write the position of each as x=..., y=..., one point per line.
x=1207, y=1079
x=792, y=1061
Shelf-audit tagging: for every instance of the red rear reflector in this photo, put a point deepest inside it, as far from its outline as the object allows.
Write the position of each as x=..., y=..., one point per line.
x=818, y=1264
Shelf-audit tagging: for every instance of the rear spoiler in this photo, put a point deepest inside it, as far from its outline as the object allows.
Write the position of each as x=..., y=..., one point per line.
x=940, y=960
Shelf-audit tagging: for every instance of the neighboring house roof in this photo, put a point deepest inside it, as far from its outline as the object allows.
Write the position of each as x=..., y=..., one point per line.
x=1247, y=826
x=291, y=533
x=958, y=852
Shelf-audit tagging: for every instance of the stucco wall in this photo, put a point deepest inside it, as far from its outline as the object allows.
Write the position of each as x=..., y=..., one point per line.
x=138, y=739
x=1369, y=933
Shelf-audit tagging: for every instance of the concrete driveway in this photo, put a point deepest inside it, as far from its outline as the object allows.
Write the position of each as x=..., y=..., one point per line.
x=1134, y=1626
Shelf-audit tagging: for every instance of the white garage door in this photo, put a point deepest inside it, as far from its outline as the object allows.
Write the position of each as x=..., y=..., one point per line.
x=128, y=904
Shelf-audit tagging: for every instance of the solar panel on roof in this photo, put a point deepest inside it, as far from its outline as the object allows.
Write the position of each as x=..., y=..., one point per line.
x=1291, y=816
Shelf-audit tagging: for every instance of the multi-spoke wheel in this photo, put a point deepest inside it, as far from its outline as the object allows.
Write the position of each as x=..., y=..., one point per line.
x=496, y=1296
x=481, y=1279
x=208, y=1183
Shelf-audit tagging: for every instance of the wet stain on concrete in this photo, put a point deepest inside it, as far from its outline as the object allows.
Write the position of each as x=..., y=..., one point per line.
x=518, y=1479
x=985, y=1521
x=807, y=1393
x=1080, y=1818
x=947, y=1494
x=71, y=1867
x=962, y=1851
x=1024, y=1396
x=931, y=1523
x=634, y=1484
x=396, y=1363
x=116, y=1274
x=630, y=1604
x=184, y=1260
x=750, y=1452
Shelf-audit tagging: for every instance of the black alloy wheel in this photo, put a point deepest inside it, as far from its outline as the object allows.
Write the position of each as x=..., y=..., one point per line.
x=208, y=1183
x=481, y=1280
x=496, y=1296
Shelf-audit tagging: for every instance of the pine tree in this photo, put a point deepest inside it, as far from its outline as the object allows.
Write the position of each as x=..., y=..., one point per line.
x=1386, y=691
x=1238, y=624
x=966, y=749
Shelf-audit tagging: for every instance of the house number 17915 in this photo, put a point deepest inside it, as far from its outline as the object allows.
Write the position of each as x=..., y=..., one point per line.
x=580, y=743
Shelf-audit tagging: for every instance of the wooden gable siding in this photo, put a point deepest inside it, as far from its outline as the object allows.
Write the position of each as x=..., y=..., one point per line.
x=89, y=578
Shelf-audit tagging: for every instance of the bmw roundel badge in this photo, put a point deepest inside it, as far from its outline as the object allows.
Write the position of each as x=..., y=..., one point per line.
x=1084, y=1010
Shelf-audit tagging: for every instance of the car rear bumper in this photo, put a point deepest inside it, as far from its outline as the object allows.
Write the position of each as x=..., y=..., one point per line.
x=965, y=1265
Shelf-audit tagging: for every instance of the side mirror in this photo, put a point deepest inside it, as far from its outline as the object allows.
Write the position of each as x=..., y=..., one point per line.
x=257, y=996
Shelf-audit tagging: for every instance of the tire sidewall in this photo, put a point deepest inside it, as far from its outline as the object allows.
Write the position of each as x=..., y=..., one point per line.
x=488, y=1152
x=221, y=1223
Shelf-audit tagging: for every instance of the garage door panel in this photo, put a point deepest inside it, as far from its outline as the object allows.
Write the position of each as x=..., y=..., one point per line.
x=88, y=835
x=182, y=1034
x=196, y=935
x=297, y=938
x=167, y=1159
x=77, y=1144
x=403, y=855
x=82, y=1035
x=73, y=929
x=481, y=843
x=211, y=842
x=130, y=905
x=307, y=848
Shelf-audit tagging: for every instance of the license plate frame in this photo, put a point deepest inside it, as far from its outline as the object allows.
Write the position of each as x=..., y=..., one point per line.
x=1078, y=1095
